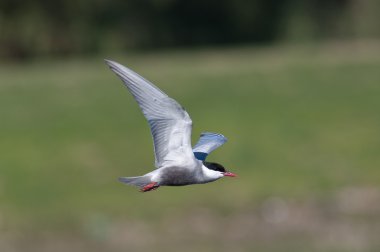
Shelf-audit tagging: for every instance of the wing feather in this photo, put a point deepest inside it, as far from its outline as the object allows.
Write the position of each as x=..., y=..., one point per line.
x=169, y=122
x=207, y=143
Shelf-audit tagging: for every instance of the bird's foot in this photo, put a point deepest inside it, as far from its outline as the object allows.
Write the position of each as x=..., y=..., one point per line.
x=149, y=187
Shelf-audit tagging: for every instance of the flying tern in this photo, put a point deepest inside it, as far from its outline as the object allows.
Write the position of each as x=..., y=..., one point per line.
x=177, y=162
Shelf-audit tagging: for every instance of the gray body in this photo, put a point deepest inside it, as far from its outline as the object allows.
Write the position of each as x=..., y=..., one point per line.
x=174, y=176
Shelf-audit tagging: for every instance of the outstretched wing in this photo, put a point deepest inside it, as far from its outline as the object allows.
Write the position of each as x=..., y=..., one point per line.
x=207, y=143
x=170, y=124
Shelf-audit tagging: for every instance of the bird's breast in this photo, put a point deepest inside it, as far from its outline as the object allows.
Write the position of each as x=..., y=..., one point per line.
x=175, y=176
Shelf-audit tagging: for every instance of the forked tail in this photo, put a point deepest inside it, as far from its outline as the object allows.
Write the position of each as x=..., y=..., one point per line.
x=140, y=181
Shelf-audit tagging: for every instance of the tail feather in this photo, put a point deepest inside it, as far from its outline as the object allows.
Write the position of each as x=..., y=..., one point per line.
x=136, y=181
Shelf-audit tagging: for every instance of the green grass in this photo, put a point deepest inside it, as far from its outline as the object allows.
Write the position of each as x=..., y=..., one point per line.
x=301, y=122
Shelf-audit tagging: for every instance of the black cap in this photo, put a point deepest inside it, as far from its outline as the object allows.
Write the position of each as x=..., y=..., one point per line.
x=214, y=166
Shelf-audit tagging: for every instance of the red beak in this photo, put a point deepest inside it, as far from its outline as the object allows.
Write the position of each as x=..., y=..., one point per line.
x=229, y=174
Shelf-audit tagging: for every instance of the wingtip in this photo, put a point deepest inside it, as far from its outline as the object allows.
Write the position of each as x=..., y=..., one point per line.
x=115, y=67
x=214, y=134
x=110, y=63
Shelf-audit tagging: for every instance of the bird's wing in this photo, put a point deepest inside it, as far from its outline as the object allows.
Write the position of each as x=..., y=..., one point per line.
x=170, y=124
x=207, y=143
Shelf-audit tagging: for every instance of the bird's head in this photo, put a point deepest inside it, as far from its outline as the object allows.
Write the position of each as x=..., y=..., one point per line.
x=219, y=168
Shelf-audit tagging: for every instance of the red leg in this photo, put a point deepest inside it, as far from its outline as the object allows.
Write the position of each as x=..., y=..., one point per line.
x=149, y=187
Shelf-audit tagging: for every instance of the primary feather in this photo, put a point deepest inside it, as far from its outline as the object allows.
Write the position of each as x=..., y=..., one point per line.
x=207, y=143
x=169, y=122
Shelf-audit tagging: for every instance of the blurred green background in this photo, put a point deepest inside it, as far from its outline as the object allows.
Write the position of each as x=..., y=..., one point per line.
x=294, y=86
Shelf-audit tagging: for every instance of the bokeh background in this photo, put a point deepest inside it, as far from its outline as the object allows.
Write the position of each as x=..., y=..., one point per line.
x=294, y=85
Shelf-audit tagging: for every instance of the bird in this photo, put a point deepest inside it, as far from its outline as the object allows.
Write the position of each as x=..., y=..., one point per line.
x=177, y=163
